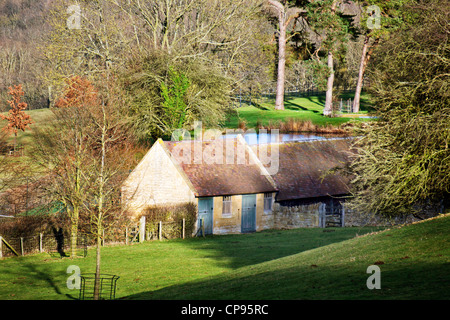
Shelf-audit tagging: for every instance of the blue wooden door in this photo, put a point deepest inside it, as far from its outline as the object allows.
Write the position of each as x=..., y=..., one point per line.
x=248, y=220
x=205, y=214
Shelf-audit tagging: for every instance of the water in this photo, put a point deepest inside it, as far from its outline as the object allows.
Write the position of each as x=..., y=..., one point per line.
x=253, y=138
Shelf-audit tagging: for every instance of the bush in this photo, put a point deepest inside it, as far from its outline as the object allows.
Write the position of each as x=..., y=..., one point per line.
x=30, y=226
x=172, y=213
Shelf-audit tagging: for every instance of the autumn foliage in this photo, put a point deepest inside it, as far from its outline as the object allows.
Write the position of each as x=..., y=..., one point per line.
x=16, y=117
x=79, y=92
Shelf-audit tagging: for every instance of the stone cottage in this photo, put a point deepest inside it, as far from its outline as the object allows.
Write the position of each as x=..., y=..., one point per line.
x=226, y=180
x=240, y=188
x=311, y=192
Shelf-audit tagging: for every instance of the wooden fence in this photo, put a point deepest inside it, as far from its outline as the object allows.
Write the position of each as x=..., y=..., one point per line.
x=42, y=242
x=155, y=231
x=58, y=242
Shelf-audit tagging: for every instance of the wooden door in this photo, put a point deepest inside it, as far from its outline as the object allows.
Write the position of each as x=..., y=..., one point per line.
x=248, y=220
x=205, y=214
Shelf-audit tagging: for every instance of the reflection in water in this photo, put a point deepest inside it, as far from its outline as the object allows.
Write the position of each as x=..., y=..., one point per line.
x=253, y=138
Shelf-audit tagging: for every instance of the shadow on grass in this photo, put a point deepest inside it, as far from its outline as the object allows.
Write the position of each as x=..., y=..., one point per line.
x=236, y=251
x=295, y=106
x=23, y=274
x=248, y=251
x=307, y=280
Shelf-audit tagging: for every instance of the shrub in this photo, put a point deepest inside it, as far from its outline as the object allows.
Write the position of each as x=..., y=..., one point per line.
x=172, y=213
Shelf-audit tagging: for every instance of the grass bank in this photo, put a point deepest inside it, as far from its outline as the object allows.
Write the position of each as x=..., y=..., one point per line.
x=289, y=264
x=307, y=110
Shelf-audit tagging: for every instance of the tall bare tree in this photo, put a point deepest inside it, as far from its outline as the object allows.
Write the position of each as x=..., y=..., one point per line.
x=285, y=14
x=378, y=19
x=62, y=148
x=327, y=21
x=112, y=156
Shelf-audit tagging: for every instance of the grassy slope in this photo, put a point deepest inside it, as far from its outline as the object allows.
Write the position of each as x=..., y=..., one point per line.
x=302, y=108
x=290, y=264
x=40, y=117
x=414, y=262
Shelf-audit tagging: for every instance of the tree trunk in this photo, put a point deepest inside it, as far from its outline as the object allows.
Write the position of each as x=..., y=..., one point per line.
x=74, y=232
x=279, y=101
x=97, y=263
x=15, y=143
x=365, y=57
x=100, y=201
x=327, y=111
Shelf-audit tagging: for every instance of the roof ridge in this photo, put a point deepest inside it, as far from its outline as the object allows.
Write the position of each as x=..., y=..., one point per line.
x=263, y=169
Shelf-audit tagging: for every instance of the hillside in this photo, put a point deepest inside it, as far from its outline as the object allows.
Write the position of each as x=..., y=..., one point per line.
x=414, y=261
x=276, y=264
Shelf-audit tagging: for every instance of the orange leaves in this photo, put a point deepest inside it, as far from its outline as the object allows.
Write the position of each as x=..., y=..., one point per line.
x=17, y=118
x=79, y=92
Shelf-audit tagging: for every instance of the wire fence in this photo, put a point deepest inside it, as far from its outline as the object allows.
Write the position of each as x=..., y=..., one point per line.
x=256, y=98
x=58, y=243
x=54, y=245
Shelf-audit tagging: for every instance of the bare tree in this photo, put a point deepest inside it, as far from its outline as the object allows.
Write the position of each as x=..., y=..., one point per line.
x=327, y=111
x=62, y=148
x=285, y=15
x=112, y=155
x=366, y=54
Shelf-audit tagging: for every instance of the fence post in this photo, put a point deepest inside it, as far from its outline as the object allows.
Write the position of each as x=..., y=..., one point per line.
x=40, y=242
x=142, y=229
x=21, y=245
x=1, y=247
x=183, y=227
x=160, y=231
x=126, y=235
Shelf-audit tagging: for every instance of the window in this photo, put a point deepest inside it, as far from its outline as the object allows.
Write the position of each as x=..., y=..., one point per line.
x=268, y=201
x=226, y=208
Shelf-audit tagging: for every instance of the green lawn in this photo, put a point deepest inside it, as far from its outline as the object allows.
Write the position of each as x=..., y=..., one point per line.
x=40, y=117
x=301, y=108
x=288, y=264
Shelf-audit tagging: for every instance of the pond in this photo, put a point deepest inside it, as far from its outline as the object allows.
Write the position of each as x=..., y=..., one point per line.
x=253, y=138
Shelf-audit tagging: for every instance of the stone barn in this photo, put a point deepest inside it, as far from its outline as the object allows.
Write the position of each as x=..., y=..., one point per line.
x=311, y=192
x=240, y=188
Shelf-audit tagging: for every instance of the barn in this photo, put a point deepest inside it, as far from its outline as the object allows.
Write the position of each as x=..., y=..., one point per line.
x=240, y=188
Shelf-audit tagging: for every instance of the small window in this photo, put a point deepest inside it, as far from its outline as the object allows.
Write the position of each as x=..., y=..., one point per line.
x=226, y=208
x=268, y=201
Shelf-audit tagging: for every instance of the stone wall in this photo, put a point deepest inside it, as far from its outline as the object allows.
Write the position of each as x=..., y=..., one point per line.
x=357, y=219
x=290, y=217
x=155, y=181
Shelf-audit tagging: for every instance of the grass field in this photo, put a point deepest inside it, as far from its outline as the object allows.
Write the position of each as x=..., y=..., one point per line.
x=308, y=108
x=300, y=108
x=39, y=117
x=289, y=264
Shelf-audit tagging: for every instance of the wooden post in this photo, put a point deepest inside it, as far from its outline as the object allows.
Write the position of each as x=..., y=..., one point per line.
x=126, y=235
x=183, y=228
x=1, y=247
x=202, y=227
x=40, y=243
x=142, y=229
x=21, y=245
x=160, y=231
